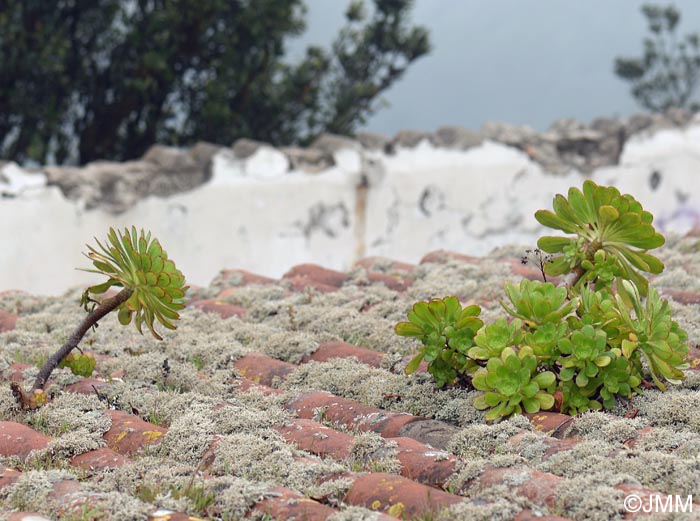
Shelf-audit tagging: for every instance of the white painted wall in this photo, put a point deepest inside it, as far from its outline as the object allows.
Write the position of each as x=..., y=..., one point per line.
x=256, y=215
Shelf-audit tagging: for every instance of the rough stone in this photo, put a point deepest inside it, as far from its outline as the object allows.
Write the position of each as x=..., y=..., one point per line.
x=373, y=141
x=203, y=153
x=244, y=148
x=332, y=143
x=508, y=134
x=456, y=137
x=115, y=187
x=409, y=138
x=310, y=160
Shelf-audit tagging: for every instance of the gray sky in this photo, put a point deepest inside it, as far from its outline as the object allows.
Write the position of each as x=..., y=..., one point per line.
x=526, y=62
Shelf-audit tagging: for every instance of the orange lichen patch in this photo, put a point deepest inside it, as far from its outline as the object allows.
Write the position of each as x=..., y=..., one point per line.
x=552, y=423
x=694, y=357
x=378, y=490
x=152, y=435
x=129, y=434
x=119, y=437
x=397, y=510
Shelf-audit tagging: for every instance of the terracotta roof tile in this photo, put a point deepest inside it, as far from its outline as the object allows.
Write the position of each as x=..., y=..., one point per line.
x=130, y=434
x=338, y=349
x=99, y=459
x=390, y=265
x=7, y=321
x=398, y=496
x=17, y=439
x=223, y=309
x=315, y=274
x=442, y=256
x=287, y=504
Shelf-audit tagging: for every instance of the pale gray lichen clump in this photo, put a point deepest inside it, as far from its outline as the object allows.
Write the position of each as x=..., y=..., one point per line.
x=372, y=453
x=354, y=514
x=605, y=427
x=31, y=490
x=480, y=441
x=599, y=502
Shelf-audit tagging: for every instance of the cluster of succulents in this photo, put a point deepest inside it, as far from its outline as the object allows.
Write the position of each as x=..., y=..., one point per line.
x=596, y=337
x=447, y=334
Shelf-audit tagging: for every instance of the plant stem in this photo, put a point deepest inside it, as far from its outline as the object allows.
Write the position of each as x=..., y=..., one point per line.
x=570, y=279
x=93, y=317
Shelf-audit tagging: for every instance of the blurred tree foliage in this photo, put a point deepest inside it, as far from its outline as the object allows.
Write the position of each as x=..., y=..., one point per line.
x=669, y=71
x=105, y=79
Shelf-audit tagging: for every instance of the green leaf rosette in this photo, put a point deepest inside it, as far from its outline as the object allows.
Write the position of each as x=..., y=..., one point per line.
x=601, y=219
x=136, y=261
x=447, y=332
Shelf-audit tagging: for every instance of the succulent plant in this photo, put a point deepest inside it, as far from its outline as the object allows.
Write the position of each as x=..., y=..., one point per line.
x=652, y=332
x=538, y=302
x=588, y=340
x=619, y=378
x=81, y=364
x=602, y=219
x=494, y=338
x=576, y=399
x=544, y=341
x=137, y=262
x=586, y=352
x=153, y=289
x=512, y=384
x=446, y=331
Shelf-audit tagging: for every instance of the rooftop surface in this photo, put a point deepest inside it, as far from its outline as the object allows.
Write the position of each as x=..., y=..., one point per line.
x=286, y=399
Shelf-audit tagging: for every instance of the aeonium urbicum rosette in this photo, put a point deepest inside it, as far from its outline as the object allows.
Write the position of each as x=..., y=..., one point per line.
x=601, y=219
x=538, y=303
x=446, y=332
x=651, y=332
x=512, y=384
x=152, y=289
x=140, y=263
